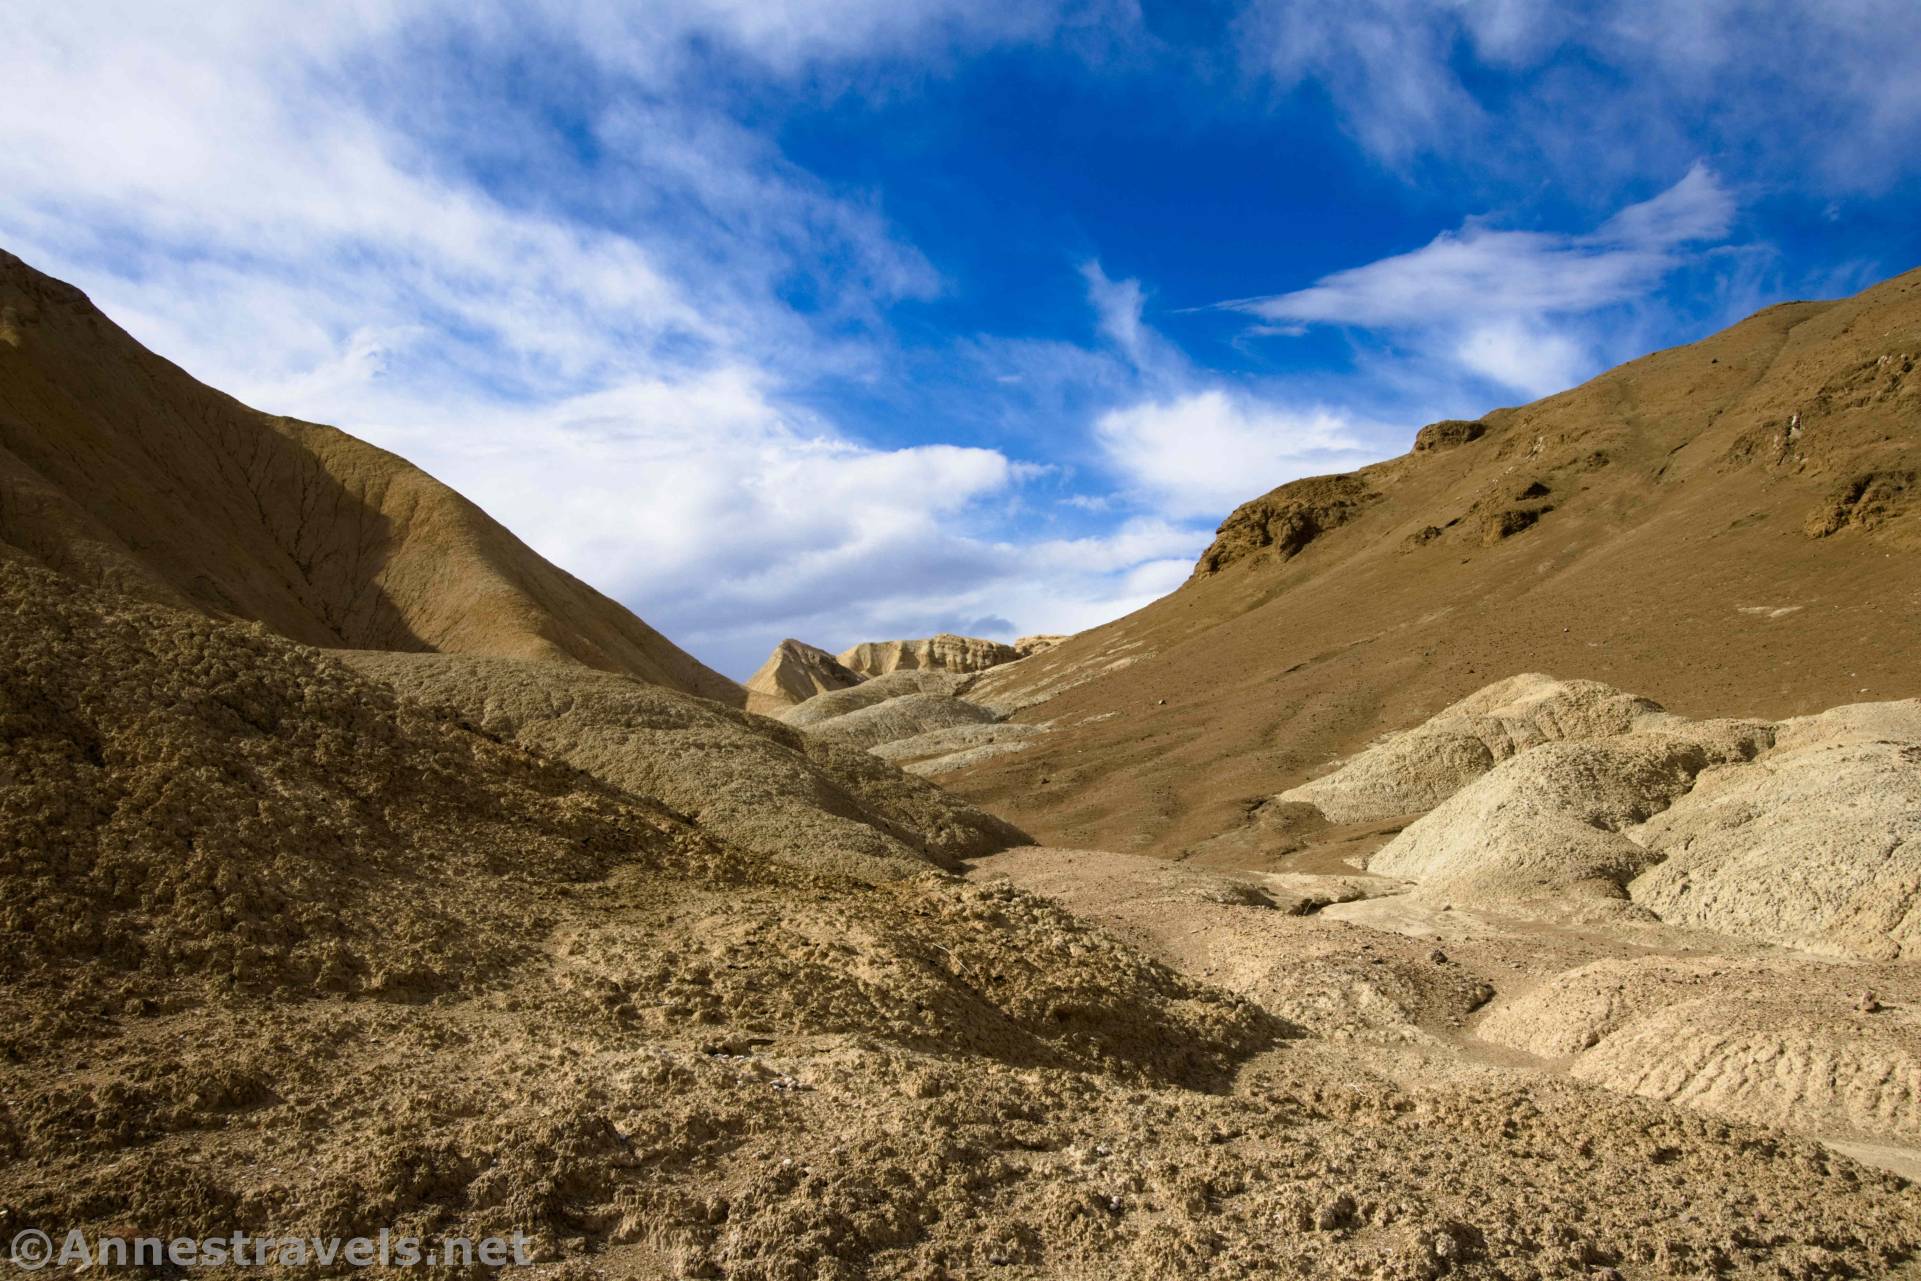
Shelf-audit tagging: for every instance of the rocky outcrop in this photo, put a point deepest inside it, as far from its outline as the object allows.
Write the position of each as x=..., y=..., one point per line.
x=1867, y=501
x=1449, y=433
x=945, y=652
x=1026, y=645
x=1281, y=523
x=794, y=673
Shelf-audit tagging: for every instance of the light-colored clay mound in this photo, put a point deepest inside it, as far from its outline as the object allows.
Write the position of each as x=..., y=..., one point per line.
x=1823, y=1049
x=805, y=800
x=119, y=469
x=1413, y=771
x=1801, y=833
x=1838, y=1075
x=905, y=717
x=956, y=747
x=873, y=691
x=909, y=716
x=1817, y=845
x=794, y=673
x=944, y=653
x=1548, y=823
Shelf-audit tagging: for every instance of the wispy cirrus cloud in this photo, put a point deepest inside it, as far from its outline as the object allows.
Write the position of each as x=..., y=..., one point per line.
x=1481, y=270
x=1510, y=305
x=1605, y=93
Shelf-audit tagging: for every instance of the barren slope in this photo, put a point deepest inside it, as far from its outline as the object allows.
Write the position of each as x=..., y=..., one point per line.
x=785, y=795
x=118, y=468
x=1728, y=528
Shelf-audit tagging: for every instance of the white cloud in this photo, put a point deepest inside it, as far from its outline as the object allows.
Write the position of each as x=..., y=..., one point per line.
x=1385, y=62
x=1510, y=306
x=1138, y=541
x=1529, y=357
x=1828, y=91
x=1481, y=271
x=1118, y=307
x=1203, y=453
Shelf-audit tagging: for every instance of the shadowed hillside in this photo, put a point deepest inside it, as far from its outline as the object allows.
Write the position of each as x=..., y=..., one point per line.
x=119, y=469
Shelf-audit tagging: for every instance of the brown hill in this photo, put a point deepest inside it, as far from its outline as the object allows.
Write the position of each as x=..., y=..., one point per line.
x=794, y=673
x=1729, y=528
x=119, y=469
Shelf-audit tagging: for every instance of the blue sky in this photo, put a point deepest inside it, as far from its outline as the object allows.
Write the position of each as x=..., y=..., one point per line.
x=855, y=319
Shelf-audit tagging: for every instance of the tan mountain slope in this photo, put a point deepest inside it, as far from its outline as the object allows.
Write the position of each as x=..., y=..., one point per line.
x=945, y=652
x=287, y=954
x=118, y=468
x=794, y=673
x=1729, y=528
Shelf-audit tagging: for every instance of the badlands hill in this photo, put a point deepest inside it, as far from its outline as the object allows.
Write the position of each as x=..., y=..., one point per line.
x=1728, y=528
x=794, y=673
x=797, y=671
x=118, y=469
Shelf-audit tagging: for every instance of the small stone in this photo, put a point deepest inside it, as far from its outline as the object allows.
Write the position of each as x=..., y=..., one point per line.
x=1870, y=1005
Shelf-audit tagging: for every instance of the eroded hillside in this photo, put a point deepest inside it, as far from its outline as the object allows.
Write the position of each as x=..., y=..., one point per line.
x=1729, y=528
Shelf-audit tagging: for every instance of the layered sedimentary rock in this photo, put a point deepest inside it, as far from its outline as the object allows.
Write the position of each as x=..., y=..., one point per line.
x=944, y=653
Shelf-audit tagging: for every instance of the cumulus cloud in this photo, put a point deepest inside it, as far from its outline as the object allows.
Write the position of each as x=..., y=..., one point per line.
x=1203, y=453
x=1189, y=445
